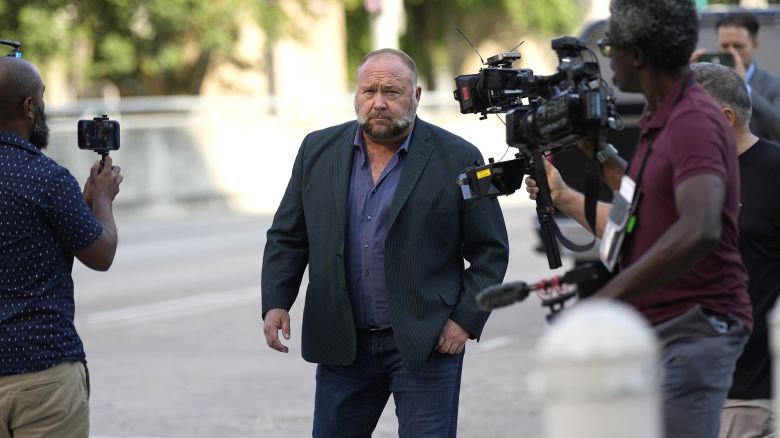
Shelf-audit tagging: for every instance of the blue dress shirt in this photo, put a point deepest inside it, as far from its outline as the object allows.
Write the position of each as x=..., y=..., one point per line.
x=367, y=226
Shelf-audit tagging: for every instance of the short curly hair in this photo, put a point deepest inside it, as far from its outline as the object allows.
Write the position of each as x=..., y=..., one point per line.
x=666, y=30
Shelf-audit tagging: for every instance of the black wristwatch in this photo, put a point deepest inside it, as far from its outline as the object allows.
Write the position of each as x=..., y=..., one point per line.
x=603, y=155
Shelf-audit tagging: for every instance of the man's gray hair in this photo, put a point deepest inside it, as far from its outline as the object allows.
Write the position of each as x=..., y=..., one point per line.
x=398, y=54
x=665, y=30
x=726, y=87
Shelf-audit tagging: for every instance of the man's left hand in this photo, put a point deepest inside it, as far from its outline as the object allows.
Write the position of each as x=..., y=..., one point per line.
x=452, y=339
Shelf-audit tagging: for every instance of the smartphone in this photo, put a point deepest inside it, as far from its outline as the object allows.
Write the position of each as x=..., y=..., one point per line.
x=100, y=134
x=718, y=58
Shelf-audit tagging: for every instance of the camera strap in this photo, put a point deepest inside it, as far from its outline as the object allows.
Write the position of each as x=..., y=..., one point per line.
x=622, y=216
x=591, y=193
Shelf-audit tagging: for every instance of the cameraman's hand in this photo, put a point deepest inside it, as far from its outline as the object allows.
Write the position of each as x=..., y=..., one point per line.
x=697, y=54
x=102, y=185
x=739, y=65
x=554, y=180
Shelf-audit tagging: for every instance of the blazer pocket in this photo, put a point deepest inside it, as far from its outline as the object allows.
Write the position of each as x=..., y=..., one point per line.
x=450, y=295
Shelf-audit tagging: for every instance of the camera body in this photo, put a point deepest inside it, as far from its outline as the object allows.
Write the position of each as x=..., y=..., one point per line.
x=100, y=134
x=543, y=112
x=544, y=115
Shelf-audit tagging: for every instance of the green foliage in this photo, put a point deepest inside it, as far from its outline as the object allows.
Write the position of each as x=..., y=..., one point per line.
x=167, y=46
x=549, y=17
x=432, y=37
x=142, y=46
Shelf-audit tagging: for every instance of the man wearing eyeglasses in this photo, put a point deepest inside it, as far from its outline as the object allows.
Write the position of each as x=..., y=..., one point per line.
x=738, y=38
x=680, y=264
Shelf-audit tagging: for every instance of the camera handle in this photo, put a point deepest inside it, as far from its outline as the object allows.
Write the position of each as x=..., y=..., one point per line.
x=103, y=156
x=545, y=210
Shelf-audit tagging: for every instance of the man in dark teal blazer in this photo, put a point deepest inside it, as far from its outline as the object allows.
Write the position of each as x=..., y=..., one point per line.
x=373, y=209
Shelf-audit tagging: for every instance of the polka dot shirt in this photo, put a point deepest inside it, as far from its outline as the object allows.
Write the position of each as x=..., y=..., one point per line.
x=43, y=220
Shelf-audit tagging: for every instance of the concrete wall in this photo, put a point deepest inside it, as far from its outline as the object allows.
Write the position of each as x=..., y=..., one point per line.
x=185, y=153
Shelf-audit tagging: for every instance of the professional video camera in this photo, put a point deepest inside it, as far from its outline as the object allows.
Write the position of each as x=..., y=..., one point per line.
x=543, y=112
x=544, y=115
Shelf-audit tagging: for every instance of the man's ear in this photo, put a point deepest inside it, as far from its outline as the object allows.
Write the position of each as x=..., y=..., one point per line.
x=28, y=108
x=731, y=116
x=638, y=57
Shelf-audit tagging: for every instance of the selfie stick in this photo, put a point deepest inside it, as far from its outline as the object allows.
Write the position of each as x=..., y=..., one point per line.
x=103, y=154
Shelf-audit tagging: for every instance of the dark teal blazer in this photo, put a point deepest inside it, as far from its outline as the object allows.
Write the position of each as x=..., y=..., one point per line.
x=432, y=231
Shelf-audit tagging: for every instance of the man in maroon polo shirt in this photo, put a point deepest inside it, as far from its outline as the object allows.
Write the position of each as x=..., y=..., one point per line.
x=680, y=264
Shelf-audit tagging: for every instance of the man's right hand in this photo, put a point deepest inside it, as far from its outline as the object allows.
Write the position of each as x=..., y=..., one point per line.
x=102, y=184
x=99, y=193
x=275, y=320
x=554, y=180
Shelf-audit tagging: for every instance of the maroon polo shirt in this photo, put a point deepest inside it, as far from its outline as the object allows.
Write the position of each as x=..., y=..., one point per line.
x=689, y=137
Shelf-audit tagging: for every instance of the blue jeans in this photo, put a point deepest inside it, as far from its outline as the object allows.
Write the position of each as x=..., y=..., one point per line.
x=699, y=355
x=350, y=399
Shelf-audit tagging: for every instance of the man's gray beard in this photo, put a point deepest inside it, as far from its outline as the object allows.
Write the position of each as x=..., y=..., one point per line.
x=396, y=129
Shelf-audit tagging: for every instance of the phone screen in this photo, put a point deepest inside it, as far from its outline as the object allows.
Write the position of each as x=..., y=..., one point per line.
x=98, y=135
x=718, y=58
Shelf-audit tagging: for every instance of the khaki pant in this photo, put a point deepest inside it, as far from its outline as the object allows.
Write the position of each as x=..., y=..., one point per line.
x=52, y=403
x=746, y=419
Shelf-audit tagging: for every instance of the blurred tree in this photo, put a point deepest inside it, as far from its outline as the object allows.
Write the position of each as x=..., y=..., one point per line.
x=432, y=36
x=144, y=47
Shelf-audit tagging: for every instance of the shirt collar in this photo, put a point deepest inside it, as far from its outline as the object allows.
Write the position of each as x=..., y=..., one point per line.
x=13, y=139
x=750, y=71
x=653, y=121
x=359, y=142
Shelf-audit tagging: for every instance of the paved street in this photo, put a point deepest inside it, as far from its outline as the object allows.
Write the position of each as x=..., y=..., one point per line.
x=175, y=348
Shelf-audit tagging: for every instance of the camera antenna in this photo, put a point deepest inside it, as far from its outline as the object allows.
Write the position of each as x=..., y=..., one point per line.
x=472, y=45
x=515, y=48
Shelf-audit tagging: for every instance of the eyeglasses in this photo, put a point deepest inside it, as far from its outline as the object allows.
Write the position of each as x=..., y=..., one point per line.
x=606, y=47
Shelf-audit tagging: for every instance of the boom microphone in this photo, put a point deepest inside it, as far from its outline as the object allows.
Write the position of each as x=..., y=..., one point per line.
x=501, y=295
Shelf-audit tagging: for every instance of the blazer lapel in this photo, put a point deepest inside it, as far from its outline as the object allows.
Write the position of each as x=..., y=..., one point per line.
x=342, y=171
x=419, y=151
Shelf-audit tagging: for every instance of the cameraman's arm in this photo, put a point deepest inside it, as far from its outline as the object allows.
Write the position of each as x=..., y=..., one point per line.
x=99, y=192
x=568, y=200
x=613, y=168
x=612, y=171
x=699, y=201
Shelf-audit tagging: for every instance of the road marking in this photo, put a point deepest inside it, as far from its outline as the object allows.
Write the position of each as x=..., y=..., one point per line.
x=111, y=436
x=174, y=308
x=494, y=344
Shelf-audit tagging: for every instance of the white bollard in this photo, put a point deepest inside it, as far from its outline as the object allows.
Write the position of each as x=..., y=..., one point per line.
x=774, y=350
x=597, y=374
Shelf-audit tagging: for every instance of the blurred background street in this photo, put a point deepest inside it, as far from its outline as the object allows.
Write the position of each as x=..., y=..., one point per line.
x=214, y=99
x=175, y=347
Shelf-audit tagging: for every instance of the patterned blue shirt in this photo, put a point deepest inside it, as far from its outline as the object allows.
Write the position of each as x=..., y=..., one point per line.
x=367, y=226
x=43, y=221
